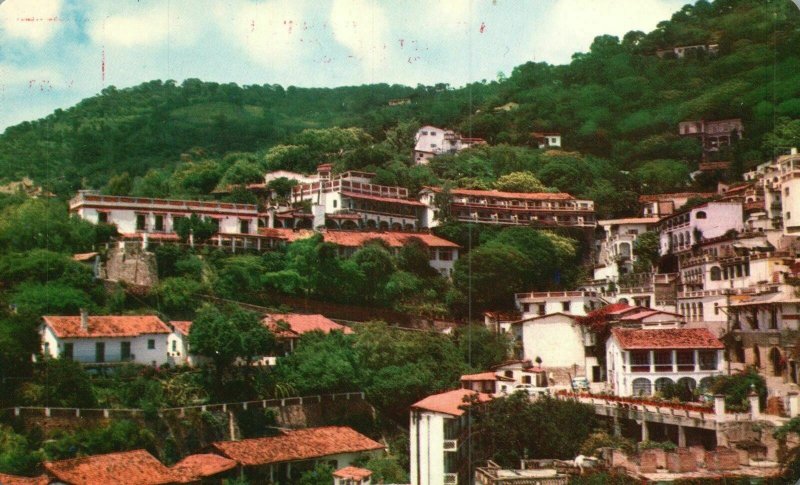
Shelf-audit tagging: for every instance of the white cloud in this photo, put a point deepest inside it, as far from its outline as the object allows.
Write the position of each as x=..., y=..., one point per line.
x=362, y=27
x=571, y=25
x=269, y=33
x=35, y=21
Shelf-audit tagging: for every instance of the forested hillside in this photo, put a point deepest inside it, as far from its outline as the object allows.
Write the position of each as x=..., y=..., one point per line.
x=617, y=106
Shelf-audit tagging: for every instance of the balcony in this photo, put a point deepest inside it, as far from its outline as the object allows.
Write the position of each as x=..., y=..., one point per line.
x=450, y=479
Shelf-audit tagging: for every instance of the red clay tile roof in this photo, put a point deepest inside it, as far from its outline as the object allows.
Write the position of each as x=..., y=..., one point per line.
x=678, y=195
x=289, y=235
x=106, y=326
x=450, y=402
x=300, y=324
x=484, y=376
x=508, y=195
x=136, y=467
x=393, y=239
x=17, y=480
x=668, y=338
x=196, y=467
x=647, y=313
x=84, y=256
x=352, y=473
x=302, y=444
x=630, y=220
x=182, y=326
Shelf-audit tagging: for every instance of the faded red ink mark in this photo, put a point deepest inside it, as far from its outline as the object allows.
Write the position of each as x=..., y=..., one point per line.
x=483, y=27
x=103, y=66
x=402, y=41
x=252, y=25
x=38, y=19
x=290, y=25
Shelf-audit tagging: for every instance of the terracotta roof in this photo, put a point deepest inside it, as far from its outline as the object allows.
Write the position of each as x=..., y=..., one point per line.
x=289, y=235
x=181, y=326
x=106, y=326
x=392, y=200
x=84, y=256
x=196, y=467
x=17, y=480
x=504, y=316
x=393, y=239
x=630, y=220
x=302, y=444
x=640, y=315
x=677, y=195
x=668, y=338
x=300, y=324
x=450, y=402
x=352, y=473
x=481, y=376
x=136, y=467
x=509, y=195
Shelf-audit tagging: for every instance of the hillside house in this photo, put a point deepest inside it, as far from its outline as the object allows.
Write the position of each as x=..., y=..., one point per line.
x=682, y=230
x=350, y=201
x=283, y=458
x=544, y=209
x=546, y=139
x=713, y=134
x=142, y=339
x=662, y=205
x=615, y=252
x=643, y=361
x=439, y=437
x=289, y=327
x=431, y=141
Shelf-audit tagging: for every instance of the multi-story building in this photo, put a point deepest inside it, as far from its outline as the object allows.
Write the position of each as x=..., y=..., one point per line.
x=789, y=166
x=351, y=201
x=713, y=134
x=643, y=361
x=541, y=303
x=431, y=141
x=439, y=437
x=138, y=217
x=682, y=230
x=681, y=51
x=542, y=209
x=662, y=205
x=614, y=255
x=106, y=339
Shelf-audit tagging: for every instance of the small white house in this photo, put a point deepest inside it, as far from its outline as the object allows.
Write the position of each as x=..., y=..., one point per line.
x=682, y=230
x=643, y=361
x=559, y=342
x=142, y=339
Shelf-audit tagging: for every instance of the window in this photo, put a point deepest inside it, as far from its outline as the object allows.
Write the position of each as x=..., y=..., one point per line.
x=174, y=345
x=540, y=310
x=69, y=351
x=151, y=344
x=102, y=217
x=640, y=361
x=141, y=222
x=125, y=351
x=685, y=360
x=788, y=215
x=433, y=133
x=663, y=360
x=565, y=306
x=424, y=133
x=509, y=373
x=716, y=308
x=700, y=215
x=244, y=226
x=100, y=352
x=526, y=379
x=335, y=202
x=716, y=273
x=708, y=360
x=159, y=225
x=445, y=255
x=786, y=191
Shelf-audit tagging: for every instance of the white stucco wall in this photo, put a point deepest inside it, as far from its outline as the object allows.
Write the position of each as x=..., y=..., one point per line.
x=426, y=439
x=84, y=348
x=556, y=339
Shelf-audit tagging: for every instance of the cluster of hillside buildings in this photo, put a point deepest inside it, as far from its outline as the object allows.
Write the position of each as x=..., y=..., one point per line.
x=276, y=459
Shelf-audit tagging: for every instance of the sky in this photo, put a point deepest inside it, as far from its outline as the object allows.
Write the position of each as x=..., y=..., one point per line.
x=53, y=53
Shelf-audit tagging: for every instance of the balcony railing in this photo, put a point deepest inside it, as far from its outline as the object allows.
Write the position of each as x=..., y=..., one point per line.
x=451, y=479
x=450, y=445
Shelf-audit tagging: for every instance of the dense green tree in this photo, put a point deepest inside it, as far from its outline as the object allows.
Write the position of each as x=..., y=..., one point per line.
x=519, y=182
x=646, y=248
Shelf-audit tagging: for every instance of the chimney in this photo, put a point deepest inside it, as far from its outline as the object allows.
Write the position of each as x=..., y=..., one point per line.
x=84, y=319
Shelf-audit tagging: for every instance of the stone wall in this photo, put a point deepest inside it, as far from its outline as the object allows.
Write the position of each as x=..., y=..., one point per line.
x=132, y=265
